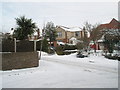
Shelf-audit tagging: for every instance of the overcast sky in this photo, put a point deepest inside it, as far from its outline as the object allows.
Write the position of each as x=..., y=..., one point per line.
x=63, y=13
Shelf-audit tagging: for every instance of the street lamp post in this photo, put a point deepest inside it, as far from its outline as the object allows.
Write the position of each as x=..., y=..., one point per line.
x=41, y=46
x=43, y=34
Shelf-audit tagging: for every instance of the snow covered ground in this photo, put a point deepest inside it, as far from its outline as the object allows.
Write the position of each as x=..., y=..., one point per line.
x=65, y=72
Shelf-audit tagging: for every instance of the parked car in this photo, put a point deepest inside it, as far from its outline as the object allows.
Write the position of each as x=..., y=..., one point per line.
x=85, y=54
x=82, y=54
x=79, y=55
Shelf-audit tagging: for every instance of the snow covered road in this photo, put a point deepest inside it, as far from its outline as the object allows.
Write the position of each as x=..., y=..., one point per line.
x=65, y=72
x=89, y=65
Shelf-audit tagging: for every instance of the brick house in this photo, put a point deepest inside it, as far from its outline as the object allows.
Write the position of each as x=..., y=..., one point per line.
x=112, y=26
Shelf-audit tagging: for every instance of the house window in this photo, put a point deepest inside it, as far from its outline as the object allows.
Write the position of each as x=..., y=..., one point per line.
x=77, y=34
x=59, y=34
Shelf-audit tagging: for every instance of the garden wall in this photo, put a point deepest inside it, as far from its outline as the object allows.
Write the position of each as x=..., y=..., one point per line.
x=19, y=60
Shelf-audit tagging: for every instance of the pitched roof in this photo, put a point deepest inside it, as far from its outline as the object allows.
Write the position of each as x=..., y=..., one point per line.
x=71, y=29
x=114, y=24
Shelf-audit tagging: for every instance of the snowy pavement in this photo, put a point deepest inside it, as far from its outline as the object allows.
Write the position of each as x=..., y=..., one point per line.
x=65, y=72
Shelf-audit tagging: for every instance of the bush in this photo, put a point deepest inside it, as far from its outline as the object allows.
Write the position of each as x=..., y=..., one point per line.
x=69, y=47
x=80, y=46
x=115, y=57
x=67, y=53
x=51, y=51
x=38, y=45
x=45, y=45
x=59, y=50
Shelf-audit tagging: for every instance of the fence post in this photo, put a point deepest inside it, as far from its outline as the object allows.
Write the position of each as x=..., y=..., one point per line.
x=14, y=44
x=34, y=45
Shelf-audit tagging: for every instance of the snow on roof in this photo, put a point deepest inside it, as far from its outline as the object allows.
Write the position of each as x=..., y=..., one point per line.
x=71, y=29
x=60, y=43
x=114, y=24
x=100, y=40
x=73, y=38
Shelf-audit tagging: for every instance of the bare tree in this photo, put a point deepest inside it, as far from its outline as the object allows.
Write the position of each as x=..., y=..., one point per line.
x=95, y=34
x=88, y=26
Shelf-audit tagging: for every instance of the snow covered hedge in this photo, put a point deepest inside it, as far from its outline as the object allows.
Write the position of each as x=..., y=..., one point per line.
x=65, y=49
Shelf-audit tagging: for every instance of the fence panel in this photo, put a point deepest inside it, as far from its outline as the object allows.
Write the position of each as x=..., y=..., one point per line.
x=21, y=46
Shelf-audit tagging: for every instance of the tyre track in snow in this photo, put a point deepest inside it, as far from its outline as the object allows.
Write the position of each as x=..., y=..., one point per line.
x=81, y=64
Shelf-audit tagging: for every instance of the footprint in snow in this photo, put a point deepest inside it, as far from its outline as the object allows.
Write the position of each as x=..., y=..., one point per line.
x=91, y=61
x=87, y=70
x=16, y=74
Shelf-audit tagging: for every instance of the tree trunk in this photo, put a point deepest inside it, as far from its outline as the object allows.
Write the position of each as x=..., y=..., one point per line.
x=49, y=46
x=95, y=47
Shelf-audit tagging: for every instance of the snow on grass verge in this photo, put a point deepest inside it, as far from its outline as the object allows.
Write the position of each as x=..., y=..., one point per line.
x=65, y=72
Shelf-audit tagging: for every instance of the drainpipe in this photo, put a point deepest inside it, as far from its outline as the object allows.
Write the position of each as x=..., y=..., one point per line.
x=66, y=36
